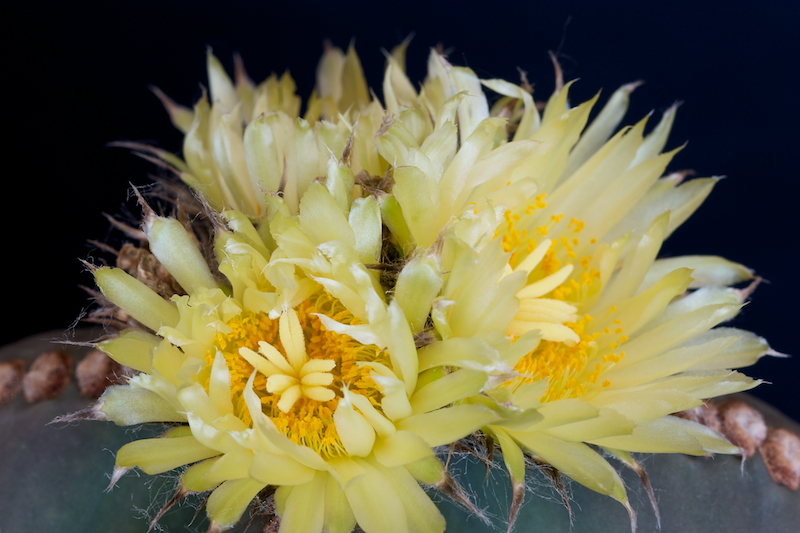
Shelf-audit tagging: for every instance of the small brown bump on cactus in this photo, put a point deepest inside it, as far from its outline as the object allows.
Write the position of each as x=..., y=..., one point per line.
x=706, y=414
x=11, y=374
x=743, y=425
x=781, y=453
x=96, y=372
x=47, y=377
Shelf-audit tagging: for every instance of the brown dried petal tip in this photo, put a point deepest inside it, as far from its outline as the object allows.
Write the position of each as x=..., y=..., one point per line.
x=47, y=377
x=781, y=453
x=11, y=375
x=96, y=372
x=742, y=425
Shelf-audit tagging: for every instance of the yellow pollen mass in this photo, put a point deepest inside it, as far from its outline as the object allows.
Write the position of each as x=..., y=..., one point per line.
x=301, y=369
x=571, y=368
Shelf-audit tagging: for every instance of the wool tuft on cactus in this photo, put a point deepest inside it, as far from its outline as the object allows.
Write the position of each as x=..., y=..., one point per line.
x=353, y=294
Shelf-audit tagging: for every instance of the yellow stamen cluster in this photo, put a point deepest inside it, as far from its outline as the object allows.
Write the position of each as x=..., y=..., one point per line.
x=306, y=420
x=520, y=244
x=570, y=367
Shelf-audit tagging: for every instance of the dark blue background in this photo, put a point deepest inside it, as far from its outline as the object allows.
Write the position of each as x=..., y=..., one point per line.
x=76, y=78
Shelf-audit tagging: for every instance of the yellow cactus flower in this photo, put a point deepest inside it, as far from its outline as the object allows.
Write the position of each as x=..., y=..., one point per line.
x=400, y=275
x=305, y=385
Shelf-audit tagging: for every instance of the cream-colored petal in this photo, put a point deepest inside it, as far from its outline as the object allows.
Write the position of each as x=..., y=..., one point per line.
x=376, y=515
x=219, y=385
x=338, y=516
x=155, y=456
x=131, y=348
x=356, y=433
x=136, y=298
x=444, y=426
x=401, y=448
x=229, y=501
x=302, y=512
x=548, y=331
x=576, y=460
x=421, y=513
x=545, y=285
x=452, y=387
x=126, y=406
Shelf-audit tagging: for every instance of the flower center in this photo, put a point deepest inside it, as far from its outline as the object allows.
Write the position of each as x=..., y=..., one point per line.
x=302, y=368
x=571, y=356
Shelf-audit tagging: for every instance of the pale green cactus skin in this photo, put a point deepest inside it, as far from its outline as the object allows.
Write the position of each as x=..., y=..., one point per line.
x=53, y=477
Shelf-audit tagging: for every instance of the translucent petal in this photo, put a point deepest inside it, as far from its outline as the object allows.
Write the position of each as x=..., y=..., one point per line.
x=136, y=298
x=448, y=425
x=448, y=389
x=707, y=270
x=303, y=512
x=229, y=501
x=337, y=516
x=132, y=348
x=576, y=460
x=376, y=515
x=155, y=456
x=127, y=406
x=356, y=433
x=401, y=448
x=422, y=514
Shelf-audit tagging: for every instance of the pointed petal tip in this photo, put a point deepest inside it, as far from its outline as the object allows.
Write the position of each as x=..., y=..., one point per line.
x=452, y=489
x=116, y=475
x=517, y=498
x=180, y=493
x=93, y=412
x=632, y=86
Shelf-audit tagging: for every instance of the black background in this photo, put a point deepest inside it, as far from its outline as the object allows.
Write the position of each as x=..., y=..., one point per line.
x=79, y=74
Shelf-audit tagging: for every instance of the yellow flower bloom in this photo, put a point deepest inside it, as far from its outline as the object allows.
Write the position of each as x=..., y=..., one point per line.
x=400, y=275
x=303, y=384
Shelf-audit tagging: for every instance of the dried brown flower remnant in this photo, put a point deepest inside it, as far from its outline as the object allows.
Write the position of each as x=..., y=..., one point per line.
x=11, y=374
x=743, y=425
x=47, y=377
x=781, y=453
x=143, y=265
x=96, y=372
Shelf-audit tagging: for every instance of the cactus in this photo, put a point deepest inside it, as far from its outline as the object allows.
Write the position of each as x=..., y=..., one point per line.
x=54, y=479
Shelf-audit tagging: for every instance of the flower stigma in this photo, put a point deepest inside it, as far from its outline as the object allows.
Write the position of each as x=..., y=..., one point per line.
x=302, y=368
